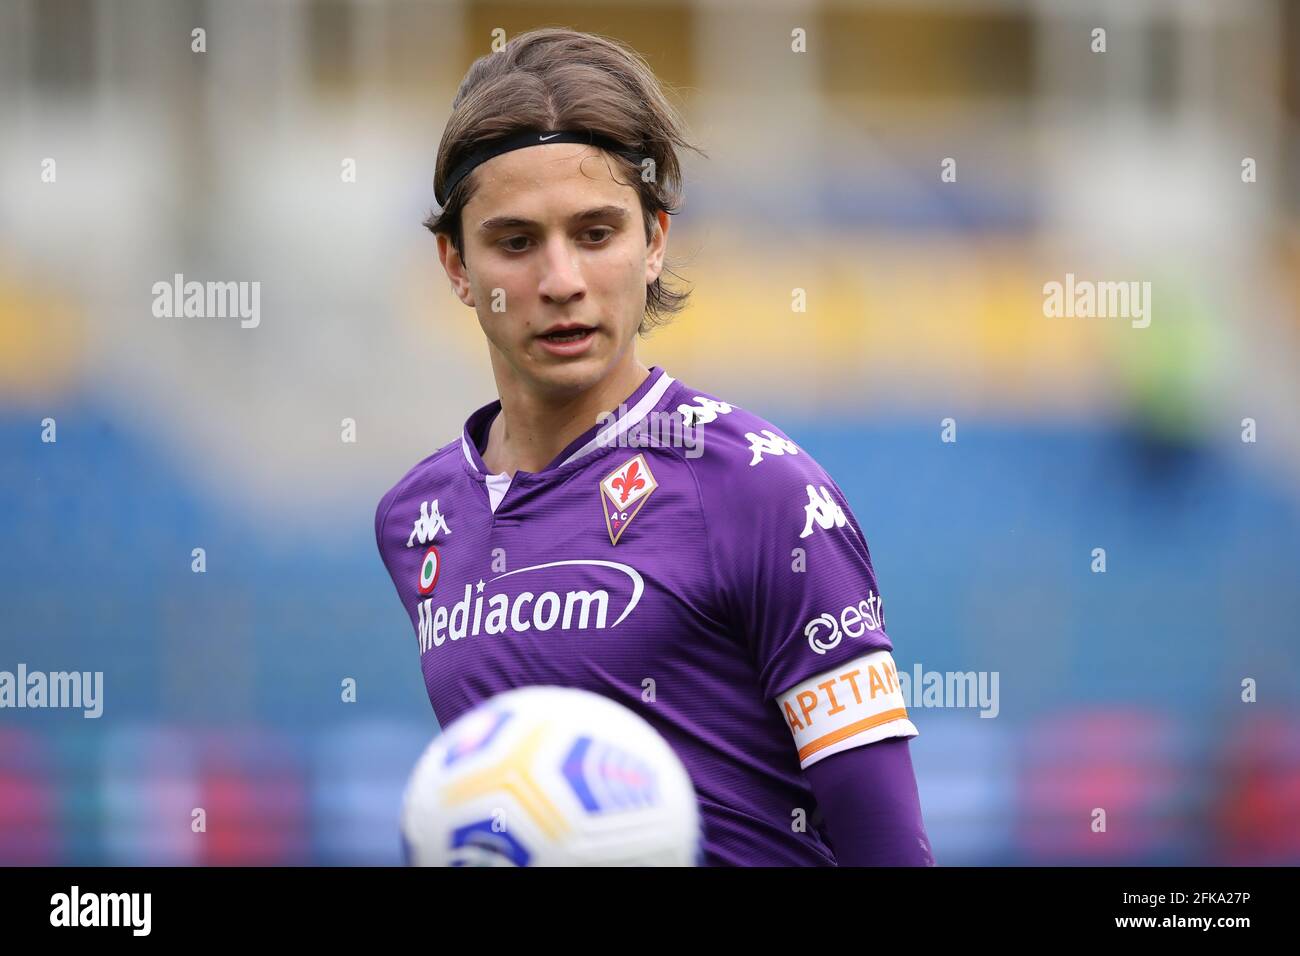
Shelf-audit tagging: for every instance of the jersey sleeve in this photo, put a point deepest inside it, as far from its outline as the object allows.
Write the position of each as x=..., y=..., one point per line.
x=381, y=516
x=390, y=543
x=869, y=801
x=795, y=577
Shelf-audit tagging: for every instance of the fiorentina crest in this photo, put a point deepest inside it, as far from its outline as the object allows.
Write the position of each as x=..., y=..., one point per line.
x=623, y=492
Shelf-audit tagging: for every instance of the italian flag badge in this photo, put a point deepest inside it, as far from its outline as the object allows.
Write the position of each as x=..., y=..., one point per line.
x=429, y=570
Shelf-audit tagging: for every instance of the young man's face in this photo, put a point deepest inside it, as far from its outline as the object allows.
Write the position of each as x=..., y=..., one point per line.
x=551, y=239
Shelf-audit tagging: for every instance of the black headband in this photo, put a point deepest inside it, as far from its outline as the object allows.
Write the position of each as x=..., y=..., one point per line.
x=482, y=153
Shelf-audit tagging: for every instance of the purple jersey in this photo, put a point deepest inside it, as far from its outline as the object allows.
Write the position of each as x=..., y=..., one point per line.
x=684, y=558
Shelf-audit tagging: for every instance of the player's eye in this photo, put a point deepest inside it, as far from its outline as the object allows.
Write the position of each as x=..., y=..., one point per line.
x=597, y=235
x=504, y=243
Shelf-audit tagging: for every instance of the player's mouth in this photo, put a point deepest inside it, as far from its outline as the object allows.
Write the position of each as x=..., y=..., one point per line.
x=568, y=339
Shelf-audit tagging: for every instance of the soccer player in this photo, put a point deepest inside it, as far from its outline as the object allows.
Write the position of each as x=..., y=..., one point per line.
x=605, y=526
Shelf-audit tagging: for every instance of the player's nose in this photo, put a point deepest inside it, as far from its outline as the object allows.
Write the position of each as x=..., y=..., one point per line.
x=562, y=278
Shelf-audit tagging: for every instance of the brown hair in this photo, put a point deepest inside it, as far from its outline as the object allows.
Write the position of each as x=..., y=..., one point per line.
x=556, y=79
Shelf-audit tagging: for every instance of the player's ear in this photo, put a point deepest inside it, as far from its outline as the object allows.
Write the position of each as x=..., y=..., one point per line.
x=455, y=268
x=658, y=245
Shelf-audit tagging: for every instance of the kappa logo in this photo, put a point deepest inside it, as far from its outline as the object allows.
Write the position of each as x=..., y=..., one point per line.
x=428, y=524
x=821, y=511
x=623, y=493
x=703, y=411
x=769, y=443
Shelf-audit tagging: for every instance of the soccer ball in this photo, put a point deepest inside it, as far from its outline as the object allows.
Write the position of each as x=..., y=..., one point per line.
x=550, y=776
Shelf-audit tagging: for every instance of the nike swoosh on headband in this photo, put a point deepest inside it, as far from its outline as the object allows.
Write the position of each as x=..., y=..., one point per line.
x=484, y=151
